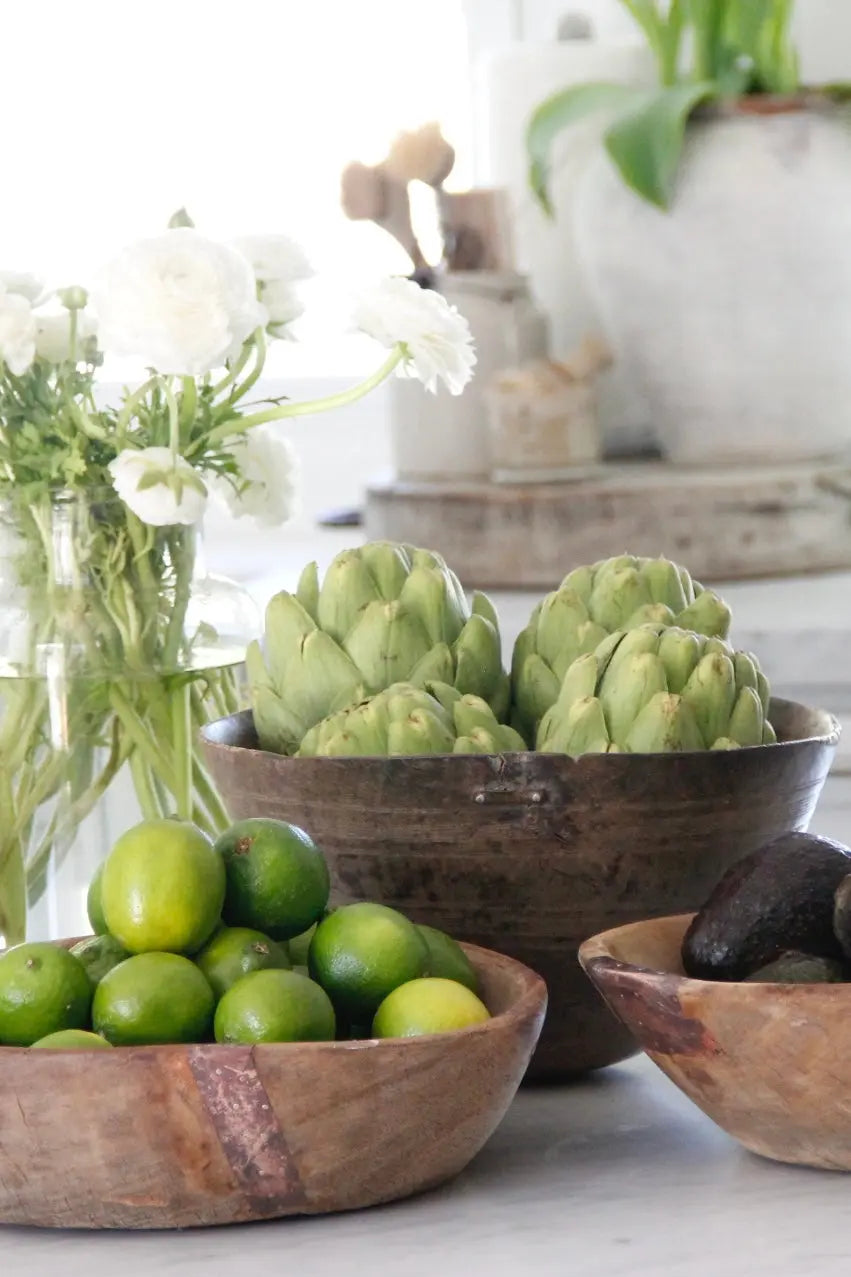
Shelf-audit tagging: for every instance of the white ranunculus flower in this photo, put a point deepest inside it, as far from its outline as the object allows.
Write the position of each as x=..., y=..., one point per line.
x=269, y=488
x=182, y=302
x=437, y=342
x=274, y=258
x=282, y=303
x=159, y=487
x=17, y=332
x=22, y=283
x=53, y=335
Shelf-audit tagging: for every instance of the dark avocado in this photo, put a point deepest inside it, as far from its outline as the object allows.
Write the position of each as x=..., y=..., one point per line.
x=842, y=915
x=799, y=968
x=776, y=899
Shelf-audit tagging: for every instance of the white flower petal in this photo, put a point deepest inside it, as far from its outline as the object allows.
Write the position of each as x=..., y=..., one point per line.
x=17, y=333
x=158, y=504
x=181, y=302
x=24, y=284
x=53, y=335
x=282, y=302
x=437, y=339
x=269, y=468
x=274, y=258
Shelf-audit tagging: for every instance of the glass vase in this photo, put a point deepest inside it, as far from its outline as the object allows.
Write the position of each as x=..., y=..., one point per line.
x=115, y=646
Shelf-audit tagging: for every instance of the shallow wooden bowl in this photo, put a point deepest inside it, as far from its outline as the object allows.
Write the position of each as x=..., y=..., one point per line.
x=530, y=853
x=770, y=1063
x=176, y=1136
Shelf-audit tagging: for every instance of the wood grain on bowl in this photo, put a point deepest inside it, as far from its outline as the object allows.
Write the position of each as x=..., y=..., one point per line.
x=769, y=1063
x=530, y=853
x=176, y=1136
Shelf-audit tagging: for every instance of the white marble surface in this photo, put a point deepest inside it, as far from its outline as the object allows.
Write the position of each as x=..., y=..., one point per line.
x=617, y=1176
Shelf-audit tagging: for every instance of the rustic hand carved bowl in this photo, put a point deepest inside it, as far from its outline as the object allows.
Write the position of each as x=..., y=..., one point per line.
x=530, y=853
x=770, y=1063
x=176, y=1136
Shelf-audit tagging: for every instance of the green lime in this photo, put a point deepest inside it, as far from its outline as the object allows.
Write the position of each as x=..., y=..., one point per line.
x=361, y=952
x=447, y=959
x=430, y=1005
x=153, y=998
x=163, y=887
x=42, y=989
x=94, y=906
x=275, y=1006
x=98, y=955
x=277, y=879
x=234, y=952
x=299, y=945
x=73, y=1040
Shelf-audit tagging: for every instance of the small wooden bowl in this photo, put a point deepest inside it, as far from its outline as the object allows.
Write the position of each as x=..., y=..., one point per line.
x=530, y=853
x=178, y=1136
x=769, y=1063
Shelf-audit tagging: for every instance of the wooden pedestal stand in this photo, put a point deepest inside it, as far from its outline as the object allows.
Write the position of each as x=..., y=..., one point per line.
x=724, y=523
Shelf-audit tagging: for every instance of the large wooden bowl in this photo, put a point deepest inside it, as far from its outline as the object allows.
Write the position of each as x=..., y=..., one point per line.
x=530, y=853
x=176, y=1136
x=770, y=1063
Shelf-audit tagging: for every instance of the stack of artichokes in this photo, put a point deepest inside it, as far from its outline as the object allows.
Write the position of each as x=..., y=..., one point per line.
x=591, y=603
x=387, y=657
x=383, y=614
x=654, y=690
x=410, y=720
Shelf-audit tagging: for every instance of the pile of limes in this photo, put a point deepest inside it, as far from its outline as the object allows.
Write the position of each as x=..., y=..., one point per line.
x=232, y=941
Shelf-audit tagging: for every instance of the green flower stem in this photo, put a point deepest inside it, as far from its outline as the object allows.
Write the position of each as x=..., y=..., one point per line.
x=233, y=373
x=242, y=388
x=181, y=724
x=184, y=556
x=238, y=425
x=143, y=784
x=132, y=402
x=173, y=417
x=188, y=405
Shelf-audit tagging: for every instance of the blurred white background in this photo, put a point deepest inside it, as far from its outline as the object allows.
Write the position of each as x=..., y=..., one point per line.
x=117, y=114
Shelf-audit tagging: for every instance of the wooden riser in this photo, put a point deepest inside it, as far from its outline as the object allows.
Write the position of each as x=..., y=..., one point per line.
x=723, y=524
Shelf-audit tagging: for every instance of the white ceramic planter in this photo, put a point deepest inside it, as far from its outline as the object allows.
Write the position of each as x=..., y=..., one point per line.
x=732, y=312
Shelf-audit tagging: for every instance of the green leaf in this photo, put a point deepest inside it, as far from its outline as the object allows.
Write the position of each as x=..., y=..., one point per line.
x=555, y=114
x=646, y=144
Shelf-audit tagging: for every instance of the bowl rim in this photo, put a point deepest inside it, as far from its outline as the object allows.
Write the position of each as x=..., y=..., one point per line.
x=595, y=954
x=829, y=738
x=532, y=1000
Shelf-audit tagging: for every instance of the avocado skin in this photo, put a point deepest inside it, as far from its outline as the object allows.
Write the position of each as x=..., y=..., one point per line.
x=799, y=968
x=778, y=898
x=842, y=915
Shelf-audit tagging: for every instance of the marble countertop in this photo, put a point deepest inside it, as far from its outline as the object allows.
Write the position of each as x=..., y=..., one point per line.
x=615, y=1176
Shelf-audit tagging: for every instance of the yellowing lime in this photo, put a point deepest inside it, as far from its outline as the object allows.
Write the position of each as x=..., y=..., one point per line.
x=153, y=998
x=275, y=1006
x=361, y=952
x=429, y=1005
x=447, y=959
x=163, y=887
x=277, y=879
x=94, y=906
x=234, y=952
x=72, y=1040
x=42, y=989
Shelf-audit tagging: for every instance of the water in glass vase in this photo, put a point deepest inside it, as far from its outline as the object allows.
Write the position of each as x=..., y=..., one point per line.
x=115, y=646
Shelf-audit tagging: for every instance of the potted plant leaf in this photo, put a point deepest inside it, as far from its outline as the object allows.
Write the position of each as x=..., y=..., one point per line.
x=716, y=233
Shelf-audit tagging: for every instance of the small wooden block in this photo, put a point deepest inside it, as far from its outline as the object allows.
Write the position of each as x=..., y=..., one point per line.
x=724, y=524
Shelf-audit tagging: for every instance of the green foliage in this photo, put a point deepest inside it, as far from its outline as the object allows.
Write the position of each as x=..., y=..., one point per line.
x=704, y=50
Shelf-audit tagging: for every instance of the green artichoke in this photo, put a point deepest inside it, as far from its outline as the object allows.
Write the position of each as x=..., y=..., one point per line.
x=383, y=614
x=657, y=689
x=405, y=720
x=592, y=602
